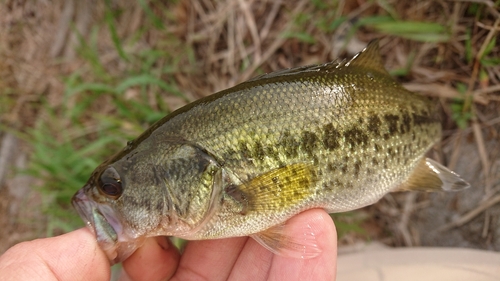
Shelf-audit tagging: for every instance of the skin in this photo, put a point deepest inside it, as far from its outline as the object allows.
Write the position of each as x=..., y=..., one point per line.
x=76, y=256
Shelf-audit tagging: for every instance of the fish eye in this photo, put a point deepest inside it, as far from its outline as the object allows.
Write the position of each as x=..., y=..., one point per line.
x=109, y=183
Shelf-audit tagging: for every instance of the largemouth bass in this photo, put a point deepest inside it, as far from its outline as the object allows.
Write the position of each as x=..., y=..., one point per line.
x=242, y=161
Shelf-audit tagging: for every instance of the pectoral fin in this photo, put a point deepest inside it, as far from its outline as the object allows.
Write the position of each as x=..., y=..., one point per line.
x=429, y=175
x=275, y=190
x=277, y=241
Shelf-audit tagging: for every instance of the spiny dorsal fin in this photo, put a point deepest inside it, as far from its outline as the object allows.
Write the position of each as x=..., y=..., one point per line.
x=429, y=175
x=314, y=68
x=369, y=58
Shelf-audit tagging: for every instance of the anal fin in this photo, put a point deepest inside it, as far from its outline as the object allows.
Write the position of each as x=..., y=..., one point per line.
x=277, y=240
x=429, y=175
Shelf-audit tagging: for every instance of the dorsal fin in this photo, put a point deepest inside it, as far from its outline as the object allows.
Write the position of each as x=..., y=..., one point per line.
x=369, y=58
x=297, y=70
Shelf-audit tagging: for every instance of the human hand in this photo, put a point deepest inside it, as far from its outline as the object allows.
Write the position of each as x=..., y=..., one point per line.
x=76, y=256
x=72, y=256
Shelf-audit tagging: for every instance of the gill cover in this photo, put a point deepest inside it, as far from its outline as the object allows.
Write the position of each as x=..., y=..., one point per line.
x=192, y=178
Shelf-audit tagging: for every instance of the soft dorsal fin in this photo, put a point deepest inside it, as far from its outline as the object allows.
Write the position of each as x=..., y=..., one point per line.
x=369, y=58
x=429, y=175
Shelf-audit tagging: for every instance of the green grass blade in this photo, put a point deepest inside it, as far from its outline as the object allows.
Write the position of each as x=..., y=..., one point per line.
x=301, y=36
x=110, y=21
x=418, y=31
x=157, y=22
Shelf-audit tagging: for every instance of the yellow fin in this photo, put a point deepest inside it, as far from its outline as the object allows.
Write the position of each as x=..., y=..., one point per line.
x=277, y=189
x=369, y=58
x=429, y=175
x=276, y=240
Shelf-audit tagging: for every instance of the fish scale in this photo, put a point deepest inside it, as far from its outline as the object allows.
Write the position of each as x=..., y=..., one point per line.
x=241, y=162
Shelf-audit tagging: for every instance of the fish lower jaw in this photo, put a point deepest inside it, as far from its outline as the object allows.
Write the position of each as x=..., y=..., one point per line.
x=113, y=239
x=120, y=251
x=111, y=251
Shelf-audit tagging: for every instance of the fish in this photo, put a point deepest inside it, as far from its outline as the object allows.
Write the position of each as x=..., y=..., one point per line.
x=241, y=162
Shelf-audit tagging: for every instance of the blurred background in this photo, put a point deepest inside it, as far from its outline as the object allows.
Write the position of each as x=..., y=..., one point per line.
x=80, y=78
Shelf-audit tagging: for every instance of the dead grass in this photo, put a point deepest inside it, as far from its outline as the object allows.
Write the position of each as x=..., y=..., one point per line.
x=233, y=40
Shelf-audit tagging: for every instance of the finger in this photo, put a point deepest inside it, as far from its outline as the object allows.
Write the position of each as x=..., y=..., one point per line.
x=263, y=265
x=209, y=259
x=253, y=263
x=157, y=259
x=322, y=267
x=72, y=256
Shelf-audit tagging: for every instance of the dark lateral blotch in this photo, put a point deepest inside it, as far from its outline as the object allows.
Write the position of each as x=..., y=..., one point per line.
x=374, y=124
x=330, y=137
x=309, y=142
x=355, y=137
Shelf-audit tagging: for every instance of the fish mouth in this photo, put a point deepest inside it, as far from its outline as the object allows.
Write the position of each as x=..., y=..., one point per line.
x=104, y=223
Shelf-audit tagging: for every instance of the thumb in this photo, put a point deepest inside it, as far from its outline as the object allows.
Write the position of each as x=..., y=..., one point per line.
x=72, y=256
